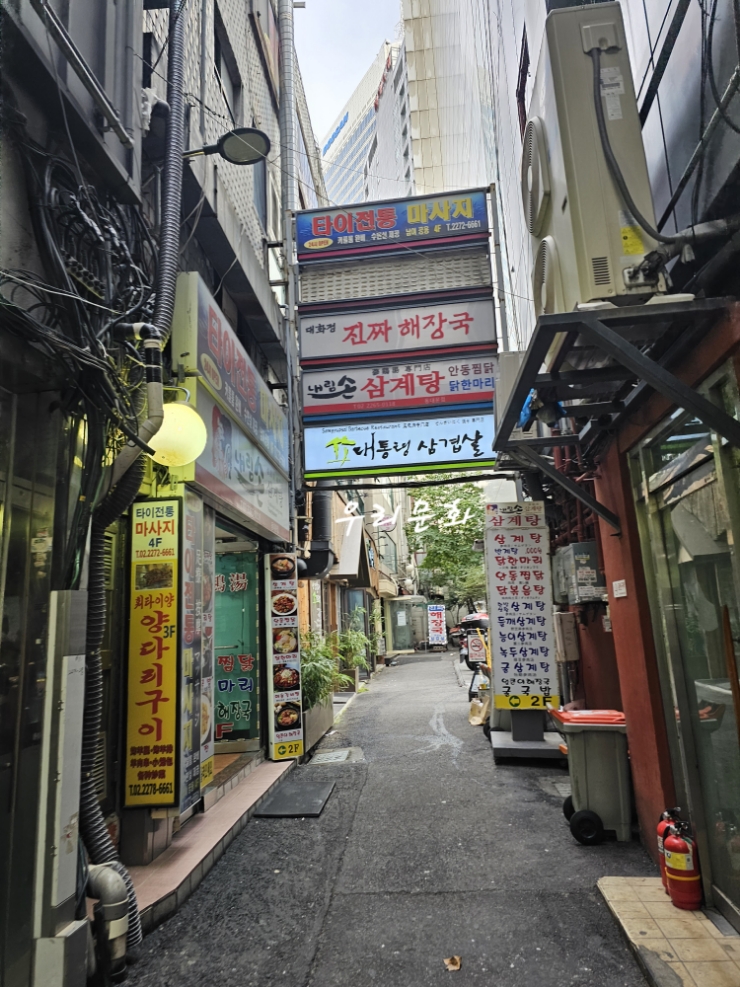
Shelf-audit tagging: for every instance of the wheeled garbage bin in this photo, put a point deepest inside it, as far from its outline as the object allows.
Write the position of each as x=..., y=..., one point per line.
x=601, y=799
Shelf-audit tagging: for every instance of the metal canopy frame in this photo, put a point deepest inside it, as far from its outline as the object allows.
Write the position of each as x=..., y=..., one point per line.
x=601, y=365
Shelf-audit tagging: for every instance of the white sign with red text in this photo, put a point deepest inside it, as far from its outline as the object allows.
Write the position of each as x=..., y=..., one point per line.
x=399, y=384
x=520, y=593
x=359, y=336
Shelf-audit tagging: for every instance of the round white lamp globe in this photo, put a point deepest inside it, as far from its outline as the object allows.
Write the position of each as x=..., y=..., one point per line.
x=182, y=437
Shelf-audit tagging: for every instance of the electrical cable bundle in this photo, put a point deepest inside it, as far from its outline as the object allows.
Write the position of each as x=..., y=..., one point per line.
x=100, y=264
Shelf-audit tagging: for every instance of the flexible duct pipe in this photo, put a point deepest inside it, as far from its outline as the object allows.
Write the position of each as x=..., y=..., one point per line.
x=128, y=470
x=169, y=241
x=92, y=825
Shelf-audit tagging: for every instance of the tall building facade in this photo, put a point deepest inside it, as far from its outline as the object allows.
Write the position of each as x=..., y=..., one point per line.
x=449, y=76
x=367, y=152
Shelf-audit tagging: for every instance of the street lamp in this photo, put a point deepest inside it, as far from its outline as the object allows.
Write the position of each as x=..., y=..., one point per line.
x=241, y=146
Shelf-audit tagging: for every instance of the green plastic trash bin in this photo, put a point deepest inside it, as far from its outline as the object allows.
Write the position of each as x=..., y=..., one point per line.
x=599, y=773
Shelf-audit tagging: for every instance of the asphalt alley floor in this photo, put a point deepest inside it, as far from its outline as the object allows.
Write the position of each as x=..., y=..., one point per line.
x=425, y=850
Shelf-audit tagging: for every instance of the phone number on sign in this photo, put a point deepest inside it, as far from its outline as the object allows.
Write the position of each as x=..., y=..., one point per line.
x=164, y=788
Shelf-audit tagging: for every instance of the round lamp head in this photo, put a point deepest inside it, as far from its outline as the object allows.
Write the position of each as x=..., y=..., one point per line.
x=182, y=437
x=244, y=146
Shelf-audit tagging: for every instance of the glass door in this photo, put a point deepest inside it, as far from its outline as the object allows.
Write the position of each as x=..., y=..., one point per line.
x=686, y=488
x=236, y=648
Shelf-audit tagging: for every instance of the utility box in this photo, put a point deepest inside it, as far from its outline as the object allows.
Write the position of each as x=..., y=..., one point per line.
x=566, y=637
x=580, y=573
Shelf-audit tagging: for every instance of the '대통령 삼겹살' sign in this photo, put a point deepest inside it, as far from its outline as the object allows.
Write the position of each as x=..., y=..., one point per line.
x=411, y=445
x=520, y=595
x=361, y=336
x=399, y=384
x=373, y=227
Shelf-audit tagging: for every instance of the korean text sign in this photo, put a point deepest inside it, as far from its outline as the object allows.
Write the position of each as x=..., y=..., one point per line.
x=437, y=629
x=384, y=226
x=520, y=594
x=284, y=657
x=362, y=335
x=152, y=740
x=404, y=384
x=234, y=469
x=201, y=328
x=421, y=444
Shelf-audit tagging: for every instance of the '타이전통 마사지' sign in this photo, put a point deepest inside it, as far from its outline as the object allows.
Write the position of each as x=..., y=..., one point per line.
x=384, y=226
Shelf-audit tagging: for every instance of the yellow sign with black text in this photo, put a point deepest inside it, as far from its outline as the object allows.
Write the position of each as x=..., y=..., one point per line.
x=151, y=721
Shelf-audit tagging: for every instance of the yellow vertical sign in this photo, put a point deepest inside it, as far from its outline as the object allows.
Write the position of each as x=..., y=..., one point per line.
x=151, y=723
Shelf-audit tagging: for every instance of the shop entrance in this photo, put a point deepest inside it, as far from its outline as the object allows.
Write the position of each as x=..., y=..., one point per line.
x=687, y=489
x=236, y=648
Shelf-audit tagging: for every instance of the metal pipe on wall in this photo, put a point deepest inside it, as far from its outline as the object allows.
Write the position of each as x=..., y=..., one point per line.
x=288, y=187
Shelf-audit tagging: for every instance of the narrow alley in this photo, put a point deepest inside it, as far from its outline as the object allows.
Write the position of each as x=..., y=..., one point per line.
x=424, y=850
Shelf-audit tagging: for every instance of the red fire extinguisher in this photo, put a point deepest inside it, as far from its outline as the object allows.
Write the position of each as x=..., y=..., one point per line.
x=682, y=868
x=667, y=819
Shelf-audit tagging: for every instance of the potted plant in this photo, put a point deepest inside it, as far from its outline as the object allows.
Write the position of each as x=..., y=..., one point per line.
x=320, y=676
x=352, y=647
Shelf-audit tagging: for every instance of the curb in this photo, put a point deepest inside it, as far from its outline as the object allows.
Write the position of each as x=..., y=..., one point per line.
x=159, y=911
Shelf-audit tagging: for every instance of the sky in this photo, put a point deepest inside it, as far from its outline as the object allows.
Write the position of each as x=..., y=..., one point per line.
x=336, y=41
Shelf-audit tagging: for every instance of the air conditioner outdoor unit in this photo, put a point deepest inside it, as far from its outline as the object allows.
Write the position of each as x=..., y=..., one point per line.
x=586, y=244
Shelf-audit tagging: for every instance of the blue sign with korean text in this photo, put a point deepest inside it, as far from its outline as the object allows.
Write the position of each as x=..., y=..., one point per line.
x=372, y=227
x=420, y=445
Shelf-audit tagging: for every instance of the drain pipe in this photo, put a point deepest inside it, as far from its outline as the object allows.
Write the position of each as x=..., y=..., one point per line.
x=111, y=920
x=128, y=470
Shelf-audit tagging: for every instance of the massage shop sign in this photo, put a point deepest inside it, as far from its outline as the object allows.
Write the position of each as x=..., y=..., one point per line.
x=152, y=740
x=284, y=657
x=520, y=595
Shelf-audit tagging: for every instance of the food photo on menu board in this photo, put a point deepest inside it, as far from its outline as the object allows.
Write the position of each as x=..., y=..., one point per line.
x=286, y=680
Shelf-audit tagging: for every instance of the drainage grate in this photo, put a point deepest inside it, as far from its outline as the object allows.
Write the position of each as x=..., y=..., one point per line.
x=330, y=756
x=344, y=755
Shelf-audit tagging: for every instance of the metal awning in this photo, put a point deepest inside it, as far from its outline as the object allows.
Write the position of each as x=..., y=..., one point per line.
x=601, y=365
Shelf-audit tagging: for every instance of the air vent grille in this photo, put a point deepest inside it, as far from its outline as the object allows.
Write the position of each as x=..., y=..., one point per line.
x=378, y=279
x=601, y=270
x=109, y=558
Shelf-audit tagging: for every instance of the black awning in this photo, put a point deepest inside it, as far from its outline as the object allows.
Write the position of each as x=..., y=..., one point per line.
x=598, y=366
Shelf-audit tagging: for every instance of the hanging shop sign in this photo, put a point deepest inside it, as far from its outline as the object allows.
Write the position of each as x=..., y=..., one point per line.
x=284, y=657
x=191, y=617
x=361, y=336
x=237, y=647
x=392, y=225
x=236, y=471
x=152, y=740
x=411, y=445
x=520, y=594
x=396, y=385
x=437, y=628
x=201, y=334
x=207, y=630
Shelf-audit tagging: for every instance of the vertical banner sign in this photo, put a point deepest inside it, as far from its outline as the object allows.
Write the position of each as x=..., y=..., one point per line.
x=437, y=625
x=191, y=649
x=520, y=593
x=284, y=657
x=206, y=664
x=237, y=646
x=151, y=720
